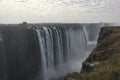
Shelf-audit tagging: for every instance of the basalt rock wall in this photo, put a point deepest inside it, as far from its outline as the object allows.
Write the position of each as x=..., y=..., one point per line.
x=19, y=57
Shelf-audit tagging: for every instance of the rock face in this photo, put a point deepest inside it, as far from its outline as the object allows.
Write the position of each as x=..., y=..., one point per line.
x=18, y=53
x=103, y=62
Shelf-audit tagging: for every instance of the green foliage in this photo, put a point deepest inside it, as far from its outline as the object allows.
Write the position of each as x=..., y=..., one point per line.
x=75, y=75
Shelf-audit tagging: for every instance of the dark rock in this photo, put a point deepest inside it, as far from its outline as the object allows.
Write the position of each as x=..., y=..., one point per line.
x=86, y=67
x=105, y=32
x=19, y=57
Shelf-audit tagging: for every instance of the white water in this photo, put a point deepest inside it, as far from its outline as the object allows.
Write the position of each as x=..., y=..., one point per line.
x=63, y=49
x=43, y=56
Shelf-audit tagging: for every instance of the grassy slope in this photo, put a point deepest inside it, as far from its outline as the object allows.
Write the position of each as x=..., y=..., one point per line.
x=106, y=54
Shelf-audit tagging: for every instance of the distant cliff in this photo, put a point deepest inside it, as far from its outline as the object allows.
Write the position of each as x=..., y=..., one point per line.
x=103, y=62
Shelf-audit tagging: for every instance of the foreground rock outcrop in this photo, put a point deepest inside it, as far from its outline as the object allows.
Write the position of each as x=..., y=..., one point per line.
x=103, y=62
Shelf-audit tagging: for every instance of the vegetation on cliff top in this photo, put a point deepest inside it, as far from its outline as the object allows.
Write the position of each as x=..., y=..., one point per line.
x=106, y=55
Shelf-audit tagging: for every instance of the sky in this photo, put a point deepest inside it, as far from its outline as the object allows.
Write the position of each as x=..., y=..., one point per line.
x=60, y=11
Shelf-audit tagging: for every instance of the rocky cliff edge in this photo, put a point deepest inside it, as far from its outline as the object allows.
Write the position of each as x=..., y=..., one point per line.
x=103, y=62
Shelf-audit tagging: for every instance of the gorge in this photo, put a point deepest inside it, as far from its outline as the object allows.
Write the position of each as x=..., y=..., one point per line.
x=44, y=51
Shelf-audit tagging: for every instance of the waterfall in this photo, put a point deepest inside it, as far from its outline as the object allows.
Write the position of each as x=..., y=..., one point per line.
x=61, y=48
x=87, y=38
x=43, y=57
x=44, y=51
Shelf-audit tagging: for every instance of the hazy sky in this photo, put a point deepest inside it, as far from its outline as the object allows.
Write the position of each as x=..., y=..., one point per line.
x=17, y=11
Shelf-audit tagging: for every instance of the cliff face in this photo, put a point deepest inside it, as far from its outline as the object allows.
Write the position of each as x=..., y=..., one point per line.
x=19, y=59
x=103, y=62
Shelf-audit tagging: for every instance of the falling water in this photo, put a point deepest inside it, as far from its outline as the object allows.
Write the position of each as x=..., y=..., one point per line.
x=62, y=49
x=43, y=55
